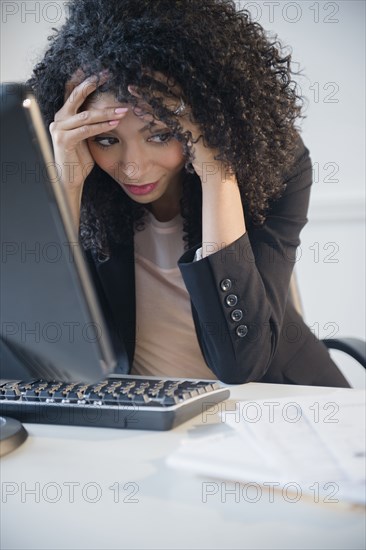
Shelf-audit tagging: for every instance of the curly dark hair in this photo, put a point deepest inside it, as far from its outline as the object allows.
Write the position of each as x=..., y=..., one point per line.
x=237, y=81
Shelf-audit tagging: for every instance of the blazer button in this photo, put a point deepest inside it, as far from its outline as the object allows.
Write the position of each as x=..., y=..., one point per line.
x=231, y=300
x=237, y=315
x=226, y=285
x=242, y=330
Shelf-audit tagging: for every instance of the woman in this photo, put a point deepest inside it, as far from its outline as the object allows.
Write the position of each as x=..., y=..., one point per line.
x=173, y=123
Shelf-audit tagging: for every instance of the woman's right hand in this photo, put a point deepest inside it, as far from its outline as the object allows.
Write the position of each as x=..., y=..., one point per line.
x=70, y=130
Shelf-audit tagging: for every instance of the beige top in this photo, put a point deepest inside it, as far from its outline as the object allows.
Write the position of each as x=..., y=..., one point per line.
x=166, y=341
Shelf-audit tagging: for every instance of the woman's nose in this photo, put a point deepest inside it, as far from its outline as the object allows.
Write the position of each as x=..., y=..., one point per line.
x=134, y=164
x=129, y=170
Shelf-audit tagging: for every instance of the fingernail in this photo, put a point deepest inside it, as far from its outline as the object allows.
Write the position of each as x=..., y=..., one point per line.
x=113, y=122
x=121, y=110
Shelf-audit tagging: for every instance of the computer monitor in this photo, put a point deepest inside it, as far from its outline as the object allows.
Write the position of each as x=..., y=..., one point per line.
x=50, y=321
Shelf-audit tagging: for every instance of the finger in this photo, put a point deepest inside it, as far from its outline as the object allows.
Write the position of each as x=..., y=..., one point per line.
x=81, y=91
x=134, y=91
x=76, y=79
x=173, y=92
x=79, y=77
x=137, y=93
x=145, y=112
x=90, y=117
x=69, y=140
x=169, y=82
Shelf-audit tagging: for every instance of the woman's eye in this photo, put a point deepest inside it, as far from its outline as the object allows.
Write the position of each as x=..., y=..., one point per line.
x=105, y=141
x=161, y=138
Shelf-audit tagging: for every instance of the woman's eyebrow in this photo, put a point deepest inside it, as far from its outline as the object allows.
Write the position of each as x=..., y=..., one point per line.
x=150, y=126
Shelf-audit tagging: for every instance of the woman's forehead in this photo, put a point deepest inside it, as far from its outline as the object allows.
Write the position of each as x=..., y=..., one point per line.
x=101, y=100
x=105, y=100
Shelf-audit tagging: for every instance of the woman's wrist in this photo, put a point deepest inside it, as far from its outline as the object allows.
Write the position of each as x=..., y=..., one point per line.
x=216, y=175
x=73, y=196
x=223, y=219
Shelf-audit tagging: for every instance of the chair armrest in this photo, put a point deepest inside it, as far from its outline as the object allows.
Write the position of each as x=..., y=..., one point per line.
x=354, y=347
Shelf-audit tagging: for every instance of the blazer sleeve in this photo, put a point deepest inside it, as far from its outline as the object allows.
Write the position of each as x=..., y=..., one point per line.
x=239, y=293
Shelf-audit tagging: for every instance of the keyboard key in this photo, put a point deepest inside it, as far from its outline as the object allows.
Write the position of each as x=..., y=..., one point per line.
x=120, y=401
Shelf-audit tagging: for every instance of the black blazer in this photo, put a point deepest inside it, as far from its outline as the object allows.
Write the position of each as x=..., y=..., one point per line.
x=246, y=328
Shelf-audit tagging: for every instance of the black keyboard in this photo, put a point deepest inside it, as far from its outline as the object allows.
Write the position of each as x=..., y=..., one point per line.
x=130, y=402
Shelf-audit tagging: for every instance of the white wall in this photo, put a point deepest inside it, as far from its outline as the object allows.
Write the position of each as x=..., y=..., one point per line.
x=328, y=43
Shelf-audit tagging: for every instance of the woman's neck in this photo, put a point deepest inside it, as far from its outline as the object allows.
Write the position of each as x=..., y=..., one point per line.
x=167, y=207
x=164, y=214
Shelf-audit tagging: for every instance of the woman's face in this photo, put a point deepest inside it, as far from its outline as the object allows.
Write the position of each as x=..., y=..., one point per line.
x=148, y=164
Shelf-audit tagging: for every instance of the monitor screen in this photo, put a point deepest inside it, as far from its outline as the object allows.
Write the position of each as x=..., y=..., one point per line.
x=51, y=322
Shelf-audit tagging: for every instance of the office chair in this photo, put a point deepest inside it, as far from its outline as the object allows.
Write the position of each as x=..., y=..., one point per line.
x=354, y=347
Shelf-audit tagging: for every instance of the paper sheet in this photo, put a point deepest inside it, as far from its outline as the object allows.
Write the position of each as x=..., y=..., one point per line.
x=311, y=441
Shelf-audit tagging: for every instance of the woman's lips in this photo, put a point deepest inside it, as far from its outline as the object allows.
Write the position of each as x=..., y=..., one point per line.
x=141, y=189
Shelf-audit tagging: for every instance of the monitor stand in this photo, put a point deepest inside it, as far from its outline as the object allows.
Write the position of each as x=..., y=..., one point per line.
x=12, y=434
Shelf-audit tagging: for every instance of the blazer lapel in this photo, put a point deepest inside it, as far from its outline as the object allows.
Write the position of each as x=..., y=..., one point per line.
x=117, y=277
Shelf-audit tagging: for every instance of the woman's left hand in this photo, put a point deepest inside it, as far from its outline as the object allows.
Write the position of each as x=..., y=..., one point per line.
x=204, y=163
x=222, y=213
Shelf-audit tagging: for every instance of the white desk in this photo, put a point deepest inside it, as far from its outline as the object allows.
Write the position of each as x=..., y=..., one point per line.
x=168, y=511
